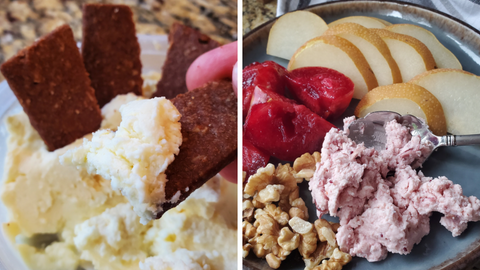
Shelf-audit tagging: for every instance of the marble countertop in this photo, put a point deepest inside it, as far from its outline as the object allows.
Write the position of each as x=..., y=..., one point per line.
x=257, y=12
x=22, y=22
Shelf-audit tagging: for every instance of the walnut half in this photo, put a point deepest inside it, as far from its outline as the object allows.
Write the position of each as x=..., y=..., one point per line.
x=275, y=219
x=308, y=240
x=288, y=240
x=248, y=210
x=305, y=165
x=337, y=260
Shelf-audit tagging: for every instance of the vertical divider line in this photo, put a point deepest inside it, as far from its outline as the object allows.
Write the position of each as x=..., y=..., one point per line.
x=239, y=131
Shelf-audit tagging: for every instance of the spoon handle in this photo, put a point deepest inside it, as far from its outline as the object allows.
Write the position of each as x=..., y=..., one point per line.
x=458, y=140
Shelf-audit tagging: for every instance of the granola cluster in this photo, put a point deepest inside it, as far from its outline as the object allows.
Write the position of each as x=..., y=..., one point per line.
x=275, y=218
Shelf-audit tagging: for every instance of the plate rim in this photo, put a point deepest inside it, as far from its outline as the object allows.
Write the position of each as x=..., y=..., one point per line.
x=346, y=2
x=472, y=252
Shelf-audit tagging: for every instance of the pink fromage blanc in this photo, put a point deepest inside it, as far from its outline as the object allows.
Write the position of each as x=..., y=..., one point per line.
x=379, y=213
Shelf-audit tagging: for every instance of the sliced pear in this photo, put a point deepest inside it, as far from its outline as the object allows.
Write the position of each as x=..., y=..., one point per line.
x=368, y=22
x=387, y=23
x=459, y=93
x=405, y=98
x=374, y=49
x=411, y=55
x=292, y=30
x=443, y=57
x=340, y=54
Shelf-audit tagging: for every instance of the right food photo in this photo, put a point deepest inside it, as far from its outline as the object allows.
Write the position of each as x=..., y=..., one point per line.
x=361, y=135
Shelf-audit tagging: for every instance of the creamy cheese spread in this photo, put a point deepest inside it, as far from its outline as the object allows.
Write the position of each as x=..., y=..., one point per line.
x=62, y=218
x=193, y=235
x=111, y=111
x=380, y=213
x=43, y=196
x=136, y=156
x=150, y=81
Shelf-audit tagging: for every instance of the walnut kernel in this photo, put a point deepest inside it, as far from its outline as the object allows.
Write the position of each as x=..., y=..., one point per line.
x=302, y=211
x=259, y=180
x=273, y=261
x=280, y=219
x=325, y=232
x=323, y=251
x=288, y=240
x=308, y=240
x=270, y=193
x=276, y=212
x=249, y=231
x=305, y=165
x=246, y=249
x=248, y=210
x=300, y=226
x=337, y=260
x=284, y=176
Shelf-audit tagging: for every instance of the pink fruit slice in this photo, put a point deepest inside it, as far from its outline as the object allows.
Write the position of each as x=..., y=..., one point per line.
x=260, y=96
x=285, y=130
x=253, y=158
x=268, y=76
x=325, y=91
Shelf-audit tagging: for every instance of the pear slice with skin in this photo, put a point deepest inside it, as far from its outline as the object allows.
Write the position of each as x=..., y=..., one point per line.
x=368, y=22
x=405, y=98
x=443, y=57
x=387, y=23
x=411, y=55
x=292, y=30
x=336, y=53
x=374, y=49
x=459, y=93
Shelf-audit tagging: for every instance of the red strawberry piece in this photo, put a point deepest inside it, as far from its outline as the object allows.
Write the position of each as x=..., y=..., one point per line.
x=253, y=158
x=269, y=76
x=325, y=91
x=285, y=130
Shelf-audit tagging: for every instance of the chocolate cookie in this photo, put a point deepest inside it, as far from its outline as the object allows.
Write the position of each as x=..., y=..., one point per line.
x=186, y=44
x=209, y=130
x=110, y=51
x=52, y=85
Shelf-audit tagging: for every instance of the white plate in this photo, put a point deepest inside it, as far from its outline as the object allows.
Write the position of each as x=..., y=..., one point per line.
x=154, y=49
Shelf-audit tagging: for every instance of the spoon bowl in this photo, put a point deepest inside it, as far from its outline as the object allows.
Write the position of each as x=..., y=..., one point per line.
x=370, y=130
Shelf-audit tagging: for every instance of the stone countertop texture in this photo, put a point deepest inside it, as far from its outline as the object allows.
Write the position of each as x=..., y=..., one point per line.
x=257, y=12
x=22, y=22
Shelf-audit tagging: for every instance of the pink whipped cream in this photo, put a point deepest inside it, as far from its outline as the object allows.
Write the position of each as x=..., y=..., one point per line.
x=380, y=214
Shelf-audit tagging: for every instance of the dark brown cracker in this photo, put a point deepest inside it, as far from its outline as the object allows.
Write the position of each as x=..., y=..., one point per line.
x=186, y=44
x=110, y=50
x=52, y=85
x=209, y=130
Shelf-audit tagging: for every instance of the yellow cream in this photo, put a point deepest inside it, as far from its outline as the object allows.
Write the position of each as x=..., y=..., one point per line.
x=111, y=111
x=41, y=195
x=95, y=225
x=197, y=234
x=57, y=256
x=112, y=240
x=136, y=156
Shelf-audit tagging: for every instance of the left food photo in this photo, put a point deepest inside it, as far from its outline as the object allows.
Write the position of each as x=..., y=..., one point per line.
x=118, y=135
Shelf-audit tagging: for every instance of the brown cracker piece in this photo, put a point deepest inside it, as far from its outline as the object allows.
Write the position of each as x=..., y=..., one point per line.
x=186, y=44
x=53, y=87
x=110, y=51
x=209, y=131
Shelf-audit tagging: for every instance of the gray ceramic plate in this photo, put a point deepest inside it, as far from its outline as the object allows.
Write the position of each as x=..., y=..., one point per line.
x=438, y=250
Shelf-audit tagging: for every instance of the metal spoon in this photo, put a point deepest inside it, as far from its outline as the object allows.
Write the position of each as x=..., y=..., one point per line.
x=371, y=131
